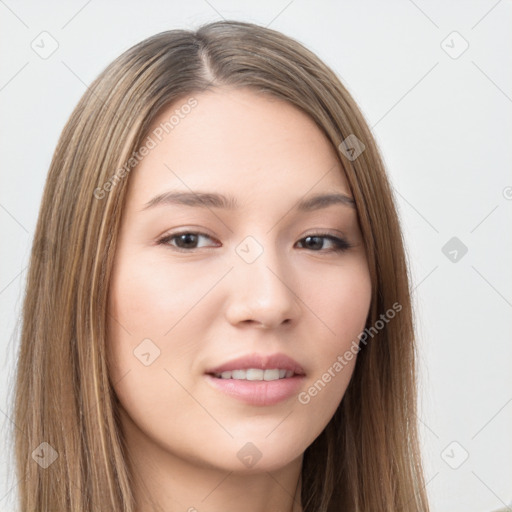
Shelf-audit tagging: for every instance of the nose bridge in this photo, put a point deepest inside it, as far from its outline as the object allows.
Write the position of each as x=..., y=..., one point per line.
x=261, y=289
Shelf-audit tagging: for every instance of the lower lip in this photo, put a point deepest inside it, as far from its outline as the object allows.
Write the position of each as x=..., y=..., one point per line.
x=258, y=392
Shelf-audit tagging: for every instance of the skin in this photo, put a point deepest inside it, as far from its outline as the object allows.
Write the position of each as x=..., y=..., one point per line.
x=207, y=306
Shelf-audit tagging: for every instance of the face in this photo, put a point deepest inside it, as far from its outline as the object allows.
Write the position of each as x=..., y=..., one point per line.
x=271, y=285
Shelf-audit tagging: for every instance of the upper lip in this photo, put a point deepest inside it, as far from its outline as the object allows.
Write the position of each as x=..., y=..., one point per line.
x=261, y=361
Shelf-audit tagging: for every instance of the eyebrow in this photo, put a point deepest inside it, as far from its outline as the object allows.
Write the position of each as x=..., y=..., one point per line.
x=215, y=200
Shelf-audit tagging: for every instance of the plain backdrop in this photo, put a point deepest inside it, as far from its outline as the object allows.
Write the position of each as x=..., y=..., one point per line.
x=434, y=81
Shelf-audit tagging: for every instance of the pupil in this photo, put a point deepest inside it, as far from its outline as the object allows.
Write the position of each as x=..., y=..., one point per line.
x=187, y=238
x=317, y=239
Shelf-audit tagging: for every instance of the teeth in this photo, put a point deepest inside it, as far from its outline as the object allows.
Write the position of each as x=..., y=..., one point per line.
x=255, y=374
x=270, y=374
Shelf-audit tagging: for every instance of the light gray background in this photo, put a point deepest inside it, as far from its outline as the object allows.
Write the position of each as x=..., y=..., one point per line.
x=444, y=126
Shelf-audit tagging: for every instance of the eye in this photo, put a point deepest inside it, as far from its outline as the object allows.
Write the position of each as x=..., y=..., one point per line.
x=316, y=239
x=186, y=241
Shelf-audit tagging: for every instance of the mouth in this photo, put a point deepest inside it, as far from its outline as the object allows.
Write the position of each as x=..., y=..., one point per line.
x=260, y=380
x=256, y=374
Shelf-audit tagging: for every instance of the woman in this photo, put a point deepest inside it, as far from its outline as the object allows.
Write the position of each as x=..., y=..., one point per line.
x=217, y=313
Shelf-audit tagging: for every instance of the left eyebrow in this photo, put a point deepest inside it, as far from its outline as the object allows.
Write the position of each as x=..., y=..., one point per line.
x=215, y=200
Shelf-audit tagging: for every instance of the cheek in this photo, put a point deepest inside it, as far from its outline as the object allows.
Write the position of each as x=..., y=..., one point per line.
x=343, y=307
x=342, y=302
x=149, y=328
x=149, y=299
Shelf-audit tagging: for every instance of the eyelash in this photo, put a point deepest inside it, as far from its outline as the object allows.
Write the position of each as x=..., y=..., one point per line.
x=341, y=245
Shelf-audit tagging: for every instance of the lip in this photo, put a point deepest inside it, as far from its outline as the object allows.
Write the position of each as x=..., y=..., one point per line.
x=259, y=393
x=261, y=361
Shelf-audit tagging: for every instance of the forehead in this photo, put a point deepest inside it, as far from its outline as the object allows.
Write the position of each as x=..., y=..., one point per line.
x=237, y=141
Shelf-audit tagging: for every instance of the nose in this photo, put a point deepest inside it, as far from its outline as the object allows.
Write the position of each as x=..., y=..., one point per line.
x=263, y=292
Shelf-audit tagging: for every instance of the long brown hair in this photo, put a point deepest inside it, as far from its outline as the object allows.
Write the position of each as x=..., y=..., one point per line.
x=367, y=459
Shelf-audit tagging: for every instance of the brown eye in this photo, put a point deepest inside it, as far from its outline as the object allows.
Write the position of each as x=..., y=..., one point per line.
x=316, y=243
x=185, y=241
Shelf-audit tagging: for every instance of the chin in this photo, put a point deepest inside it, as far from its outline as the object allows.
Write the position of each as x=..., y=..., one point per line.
x=254, y=454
